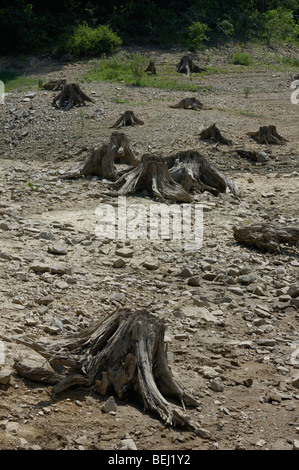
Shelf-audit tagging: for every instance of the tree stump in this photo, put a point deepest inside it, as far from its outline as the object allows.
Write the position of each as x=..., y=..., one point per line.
x=71, y=95
x=193, y=103
x=194, y=172
x=124, y=354
x=266, y=237
x=213, y=133
x=127, y=119
x=151, y=175
x=187, y=66
x=101, y=160
x=267, y=135
x=151, y=68
x=55, y=85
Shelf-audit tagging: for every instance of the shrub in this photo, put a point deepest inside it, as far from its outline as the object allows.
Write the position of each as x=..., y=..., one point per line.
x=280, y=26
x=226, y=27
x=197, y=34
x=241, y=58
x=86, y=41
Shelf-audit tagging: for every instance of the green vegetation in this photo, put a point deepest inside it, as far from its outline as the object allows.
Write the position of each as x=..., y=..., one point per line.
x=130, y=71
x=32, y=186
x=241, y=58
x=91, y=27
x=87, y=41
x=14, y=81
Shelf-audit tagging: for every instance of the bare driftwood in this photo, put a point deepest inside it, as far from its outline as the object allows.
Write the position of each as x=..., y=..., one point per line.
x=151, y=175
x=267, y=236
x=151, y=68
x=213, y=133
x=253, y=155
x=187, y=66
x=125, y=353
x=71, y=95
x=194, y=172
x=55, y=85
x=101, y=160
x=127, y=119
x=193, y=103
x=267, y=135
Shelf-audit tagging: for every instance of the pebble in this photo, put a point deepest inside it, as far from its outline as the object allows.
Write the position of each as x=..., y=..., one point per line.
x=109, y=405
x=216, y=384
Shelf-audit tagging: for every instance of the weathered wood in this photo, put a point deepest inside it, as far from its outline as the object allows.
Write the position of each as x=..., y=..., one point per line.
x=187, y=66
x=151, y=68
x=213, y=133
x=101, y=160
x=124, y=353
x=151, y=175
x=186, y=103
x=267, y=135
x=194, y=172
x=253, y=155
x=267, y=236
x=55, y=85
x=71, y=95
x=127, y=119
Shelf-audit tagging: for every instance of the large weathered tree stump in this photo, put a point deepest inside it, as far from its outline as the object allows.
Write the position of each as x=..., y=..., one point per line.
x=194, y=172
x=186, y=103
x=213, y=133
x=151, y=68
x=267, y=135
x=187, y=66
x=55, y=85
x=101, y=160
x=71, y=95
x=151, y=175
x=127, y=119
x=267, y=236
x=125, y=353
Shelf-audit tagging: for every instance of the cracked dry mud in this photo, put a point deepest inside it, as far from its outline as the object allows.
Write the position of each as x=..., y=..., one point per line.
x=231, y=312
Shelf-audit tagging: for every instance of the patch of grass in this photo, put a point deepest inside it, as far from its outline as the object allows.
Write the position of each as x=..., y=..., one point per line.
x=14, y=81
x=241, y=58
x=131, y=72
x=241, y=112
x=290, y=61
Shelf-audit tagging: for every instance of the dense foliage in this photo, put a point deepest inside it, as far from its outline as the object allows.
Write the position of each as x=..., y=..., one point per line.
x=51, y=25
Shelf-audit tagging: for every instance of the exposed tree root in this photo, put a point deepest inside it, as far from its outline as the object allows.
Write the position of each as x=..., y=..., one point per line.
x=193, y=103
x=267, y=236
x=213, y=133
x=71, y=95
x=55, y=85
x=151, y=175
x=127, y=119
x=187, y=66
x=193, y=172
x=267, y=135
x=101, y=160
x=124, y=353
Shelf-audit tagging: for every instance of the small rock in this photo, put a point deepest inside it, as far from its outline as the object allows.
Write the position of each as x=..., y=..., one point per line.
x=126, y=444
x=109, y=405
x=151, y=264
x=5, y=375
x=194, y=281
x=295, y=381
x=296, y=445
x=125, y=252
x=119, y=263
x=216, y=384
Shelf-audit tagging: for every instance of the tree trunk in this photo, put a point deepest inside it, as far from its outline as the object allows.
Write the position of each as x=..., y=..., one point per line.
x=71, y=95
x=101, y=160
x=127, y=119
x=267, y=236
x=213, y=133
x=267, y=135
x=153, y=176
x=193, y=172
x=124, y=353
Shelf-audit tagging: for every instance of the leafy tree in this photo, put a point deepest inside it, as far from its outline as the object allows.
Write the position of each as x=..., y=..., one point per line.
x=279, y=26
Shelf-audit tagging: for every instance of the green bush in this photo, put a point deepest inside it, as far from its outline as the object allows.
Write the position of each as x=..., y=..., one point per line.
x=197, y=34
x=280, y=26
x=241, y=58
x=86, y=41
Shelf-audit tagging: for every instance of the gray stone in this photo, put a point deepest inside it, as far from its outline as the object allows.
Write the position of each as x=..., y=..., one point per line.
x=216, y=384
x=5, y=375
x=125, y=252
x=39, y=267
x=295, y=381
x=109, y=405
x=151, y=264
x=126, y=444
x=60, y=268
x=57, y=248
x=194, y=281
x=119, y=263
